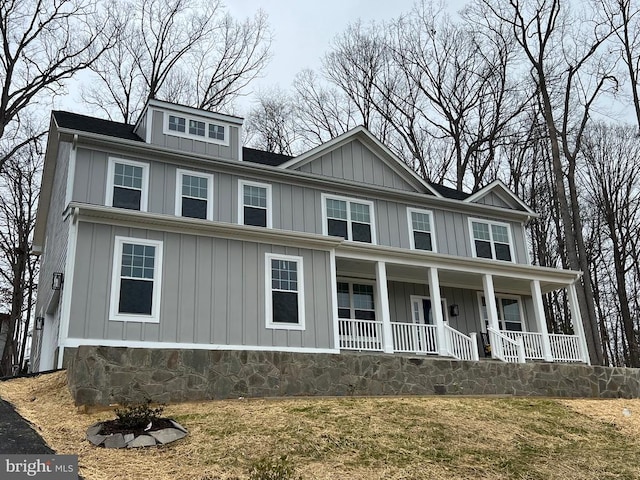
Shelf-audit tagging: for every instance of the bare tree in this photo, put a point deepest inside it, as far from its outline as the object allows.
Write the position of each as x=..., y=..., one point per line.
x=177, y=50
x=322, y=112
x=571, y=70
x=614, y=191
x=270, y=125
x=18, y=202
x=44, y=43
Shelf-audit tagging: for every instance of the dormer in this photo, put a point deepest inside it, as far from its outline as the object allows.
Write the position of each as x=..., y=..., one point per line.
x=190, y=130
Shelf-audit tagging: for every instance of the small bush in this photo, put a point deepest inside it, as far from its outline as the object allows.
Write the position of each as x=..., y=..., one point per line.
x=268, y=469
x=138, y=415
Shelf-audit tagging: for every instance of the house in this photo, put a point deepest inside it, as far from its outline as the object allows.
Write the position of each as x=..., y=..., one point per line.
x=169, y=234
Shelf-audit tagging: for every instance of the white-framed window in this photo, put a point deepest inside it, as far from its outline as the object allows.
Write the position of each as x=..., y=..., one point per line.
x=356, y=300
x=491, y=240
x=136, y=280
x=127, y=184
x=349, y=218
x=203, y=129
x=510, y=313
x=194, y=194
x=421, y=229
x=254, y=204
x=177, y=124
x=284, y=292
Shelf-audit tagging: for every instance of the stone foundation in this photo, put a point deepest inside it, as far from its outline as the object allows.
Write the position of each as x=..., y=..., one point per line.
x=107, y=375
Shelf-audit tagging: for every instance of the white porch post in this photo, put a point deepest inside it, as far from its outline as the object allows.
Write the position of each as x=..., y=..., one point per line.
x=383, y=306
x=490, y=300
x=538, y=311
x=576, y=318
x=436, y=309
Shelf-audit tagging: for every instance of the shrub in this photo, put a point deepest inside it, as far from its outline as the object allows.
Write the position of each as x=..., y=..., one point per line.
x=268, y=469
x=138, y=415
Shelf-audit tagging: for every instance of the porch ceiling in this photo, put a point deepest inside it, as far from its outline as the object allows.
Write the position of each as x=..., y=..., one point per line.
x=351, y=268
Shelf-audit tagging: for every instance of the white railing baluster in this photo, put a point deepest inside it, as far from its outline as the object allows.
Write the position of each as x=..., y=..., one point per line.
x=360, y=334
x=506, y=349
x=461, y=346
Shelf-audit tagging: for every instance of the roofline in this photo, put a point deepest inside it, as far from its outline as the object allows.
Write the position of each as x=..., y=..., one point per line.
x=344, y=138
x=499, y=184
x=222, y=117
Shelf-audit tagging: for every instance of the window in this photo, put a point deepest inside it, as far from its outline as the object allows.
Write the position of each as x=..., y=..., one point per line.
x=177, y=124
x=491, y=240
x=349, y=219
x=509, y=312
x=127, y=184
x=194, y=194
x=356, y=301
x=216, y=131
x=136, y=278
x=421, y=229
x=284, y=292
x=196, y=128
x=254, y=204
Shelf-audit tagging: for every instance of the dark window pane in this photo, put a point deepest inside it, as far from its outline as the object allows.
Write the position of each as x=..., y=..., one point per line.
x=422, y=241
x=344, y=313
x=194, y=208
x=483, y=249
x=255, y=216
x=337, y=228
x=503, y=252
x=513, y=326
x=361, y=232
x=285, y=307
x=365, y=314
x=126, y=198
x=136, y=296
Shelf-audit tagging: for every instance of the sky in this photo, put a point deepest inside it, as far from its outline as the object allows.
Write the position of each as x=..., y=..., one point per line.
x=303, y=31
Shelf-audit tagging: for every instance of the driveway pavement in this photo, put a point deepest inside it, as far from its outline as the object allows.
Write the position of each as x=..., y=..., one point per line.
x=17, y=436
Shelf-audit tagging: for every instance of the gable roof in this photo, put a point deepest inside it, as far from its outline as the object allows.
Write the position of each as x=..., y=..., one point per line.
x=503, y=192
x=382, y=152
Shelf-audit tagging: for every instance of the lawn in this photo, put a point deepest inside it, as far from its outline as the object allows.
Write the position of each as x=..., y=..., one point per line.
x=407, y=438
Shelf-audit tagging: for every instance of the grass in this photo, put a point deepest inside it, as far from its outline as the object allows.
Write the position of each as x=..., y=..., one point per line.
x=406, y=438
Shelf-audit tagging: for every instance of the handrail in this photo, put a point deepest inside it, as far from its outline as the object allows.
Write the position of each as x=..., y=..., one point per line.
x=506, y=349
x=461, y=346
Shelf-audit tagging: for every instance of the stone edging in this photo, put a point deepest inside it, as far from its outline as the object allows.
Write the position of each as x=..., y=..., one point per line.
x=130, y=440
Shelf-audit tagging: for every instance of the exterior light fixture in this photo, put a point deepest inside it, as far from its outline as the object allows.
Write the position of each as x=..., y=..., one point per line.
x=39, y=323
x=58, y=280
x=454, y=310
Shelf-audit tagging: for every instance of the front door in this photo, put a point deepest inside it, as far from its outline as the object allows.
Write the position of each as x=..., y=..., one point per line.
x=422, y=315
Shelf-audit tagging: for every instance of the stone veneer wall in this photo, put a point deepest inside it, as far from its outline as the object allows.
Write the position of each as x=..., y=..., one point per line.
x=106, y=375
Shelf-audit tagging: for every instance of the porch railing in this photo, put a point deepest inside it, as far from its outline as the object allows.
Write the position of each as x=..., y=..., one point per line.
x=504, y=348
x=565, y=348
x=461, y=346
x=532, y=343
x=360, y=334
x=414, y=338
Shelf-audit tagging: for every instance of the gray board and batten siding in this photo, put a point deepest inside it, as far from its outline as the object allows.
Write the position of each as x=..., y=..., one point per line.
x=212, y=292
x=192, y=145
x=296, y=207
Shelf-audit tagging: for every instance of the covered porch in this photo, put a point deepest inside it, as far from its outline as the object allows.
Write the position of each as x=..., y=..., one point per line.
x=467, y=309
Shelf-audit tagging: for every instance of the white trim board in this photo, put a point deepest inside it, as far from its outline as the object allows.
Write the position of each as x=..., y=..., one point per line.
x=97, y=342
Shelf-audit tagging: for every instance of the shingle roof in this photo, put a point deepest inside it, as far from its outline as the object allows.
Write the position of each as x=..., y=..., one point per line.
x=263, y=158
x=85, y=123
x=449, y=192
